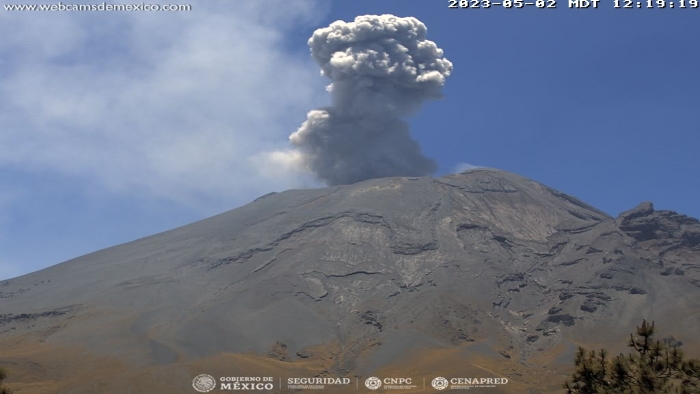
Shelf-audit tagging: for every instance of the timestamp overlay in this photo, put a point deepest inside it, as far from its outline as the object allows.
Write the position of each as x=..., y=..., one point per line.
x=621, y=4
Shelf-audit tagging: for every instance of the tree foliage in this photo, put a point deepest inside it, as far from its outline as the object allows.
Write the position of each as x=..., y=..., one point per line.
x=652, y=367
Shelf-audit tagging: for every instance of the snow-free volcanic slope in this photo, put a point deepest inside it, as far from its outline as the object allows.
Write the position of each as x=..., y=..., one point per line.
x=480, y=271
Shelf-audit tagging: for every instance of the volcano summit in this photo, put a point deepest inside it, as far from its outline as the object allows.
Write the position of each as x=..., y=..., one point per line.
x=480, y=274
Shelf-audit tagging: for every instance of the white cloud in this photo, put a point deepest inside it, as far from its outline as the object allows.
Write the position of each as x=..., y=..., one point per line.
x=464, y=167
x=285, y=165
x=175, y=105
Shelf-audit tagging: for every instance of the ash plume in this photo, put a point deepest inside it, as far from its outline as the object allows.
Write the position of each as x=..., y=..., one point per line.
x=382, y=68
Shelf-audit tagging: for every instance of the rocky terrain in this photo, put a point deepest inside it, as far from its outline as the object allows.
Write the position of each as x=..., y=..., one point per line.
x=483, y=273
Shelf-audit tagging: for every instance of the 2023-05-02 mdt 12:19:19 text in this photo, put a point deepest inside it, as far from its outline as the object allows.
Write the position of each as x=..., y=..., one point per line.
x=575, y=4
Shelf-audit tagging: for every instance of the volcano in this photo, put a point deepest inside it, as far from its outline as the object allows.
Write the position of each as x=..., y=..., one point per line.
x=478, y=274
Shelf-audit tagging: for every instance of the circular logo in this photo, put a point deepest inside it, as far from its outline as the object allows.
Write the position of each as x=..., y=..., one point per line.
x=204, y=383
x=440, y=383
x=373, y=383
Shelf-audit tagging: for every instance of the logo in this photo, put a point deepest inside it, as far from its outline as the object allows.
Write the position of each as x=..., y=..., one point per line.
x=247, y=383
x=390, y=383
x=440, y=383
x=373, y=383
x=204, y=383
x=315, y=383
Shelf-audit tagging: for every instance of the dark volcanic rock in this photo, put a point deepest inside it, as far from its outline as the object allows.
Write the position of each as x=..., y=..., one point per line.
x=484, y=258
x=566, y=320
x=644, y=209
x=663, y=227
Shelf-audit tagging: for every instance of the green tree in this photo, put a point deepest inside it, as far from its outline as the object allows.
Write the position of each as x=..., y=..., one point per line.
x=3, y=376
x=653, y=367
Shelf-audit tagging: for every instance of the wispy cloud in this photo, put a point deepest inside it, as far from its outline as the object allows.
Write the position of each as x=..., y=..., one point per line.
x=115, y=124
x=464, y=167
x=168, y=105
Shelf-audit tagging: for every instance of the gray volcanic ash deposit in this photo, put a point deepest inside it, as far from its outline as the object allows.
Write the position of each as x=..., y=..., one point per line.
x=359, y=278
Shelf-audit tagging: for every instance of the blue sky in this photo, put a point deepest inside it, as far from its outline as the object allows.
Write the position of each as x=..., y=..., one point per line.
x=114, y=126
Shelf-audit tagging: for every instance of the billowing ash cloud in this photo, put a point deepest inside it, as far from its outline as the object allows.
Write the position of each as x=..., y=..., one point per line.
x=382, y=68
